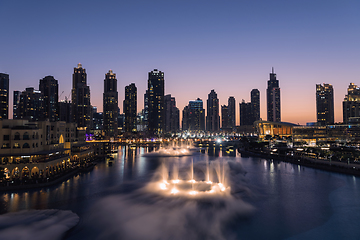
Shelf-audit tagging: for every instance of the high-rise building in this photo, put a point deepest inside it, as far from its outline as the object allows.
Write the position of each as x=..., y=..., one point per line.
x=231, y=112
x=255, y=104
x=146, y=109
x=156, y=102
x=80, y=98
x=324, y=104
x=225, y=123
x=65, y=111
x=121, y=122
x=31, y=105
x=49, y=87
x=351, y=103
x=185, y=119
x=16, y=101
x=246, y=113
x=98, y=120
x=212, y=118
x=141, y=126
x=130, y=108
x=4, y=96
x=196, y=115
x=110, y=105
x=171, y=119
x=273, y=99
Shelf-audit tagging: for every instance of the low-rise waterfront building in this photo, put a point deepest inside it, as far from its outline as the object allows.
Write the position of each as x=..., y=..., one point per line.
x=40, y=149
x=281, y=129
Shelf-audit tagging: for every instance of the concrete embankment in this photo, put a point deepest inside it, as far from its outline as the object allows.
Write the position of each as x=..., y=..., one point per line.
x=333, y=166
x=50, y=182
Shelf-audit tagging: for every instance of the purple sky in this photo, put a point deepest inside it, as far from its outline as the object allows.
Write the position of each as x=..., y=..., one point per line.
x=229, y=46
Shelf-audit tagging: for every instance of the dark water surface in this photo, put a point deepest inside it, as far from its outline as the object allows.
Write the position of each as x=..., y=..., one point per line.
x=270, y=200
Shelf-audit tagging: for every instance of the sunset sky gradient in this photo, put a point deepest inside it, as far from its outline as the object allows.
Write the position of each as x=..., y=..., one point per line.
x=229, y=46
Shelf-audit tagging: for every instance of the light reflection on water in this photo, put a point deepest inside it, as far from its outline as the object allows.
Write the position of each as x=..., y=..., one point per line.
x=289, y=199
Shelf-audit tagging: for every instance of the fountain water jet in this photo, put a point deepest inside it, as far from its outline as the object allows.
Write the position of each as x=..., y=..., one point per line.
x=198, y=185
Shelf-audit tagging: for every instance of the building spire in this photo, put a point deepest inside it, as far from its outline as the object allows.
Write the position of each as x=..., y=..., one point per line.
x=272, y=70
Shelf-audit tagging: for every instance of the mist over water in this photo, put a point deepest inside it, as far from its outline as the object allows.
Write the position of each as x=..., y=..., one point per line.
x=148, y=213
x=171, y=151
x=37, y=224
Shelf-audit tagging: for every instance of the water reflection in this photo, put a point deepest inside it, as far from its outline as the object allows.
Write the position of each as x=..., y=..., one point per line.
x=290, y=199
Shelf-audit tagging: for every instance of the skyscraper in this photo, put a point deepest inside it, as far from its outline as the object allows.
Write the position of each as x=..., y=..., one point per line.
x=146, y=108
x=171, y=119
x=65, y=111
x=31, y=105
x=212, y=118
x=110, y=105
x=16, y=101
x=197, y=115
x=273, y=99
x=246, y=113
x=80, y=98
x=4, y=96
x=351, y=103
x=49, y=88
x=156, y=102
x=98, y=120
x=130, y=108
x=194, y=116
x=255, y=104
x=185, y=119
x=325, y=104
x=231, y=112
x=224, y=117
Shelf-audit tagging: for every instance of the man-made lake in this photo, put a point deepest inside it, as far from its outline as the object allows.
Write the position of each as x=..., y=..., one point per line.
x=268, y=199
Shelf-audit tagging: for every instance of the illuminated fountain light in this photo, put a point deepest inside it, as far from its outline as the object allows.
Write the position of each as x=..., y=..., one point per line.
x=175, y=181
x=193, y=192
x=213, y=182
x=174, y=191
x=163, y=186
x=170, y=152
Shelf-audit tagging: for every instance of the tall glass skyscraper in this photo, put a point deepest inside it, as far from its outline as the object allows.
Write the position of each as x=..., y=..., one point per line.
x=171, y=119
x=80, y=98
x=324, y=104
x=130, y=108
x=255, y=104
x=110, y=105
x=231, y=112
x=212, y=117
x=16, y=101
x=273, y=99
x=31, y=105
x=4, y=96
x=351, y=103
x=49, y=87
x=224, y=117
x=156, y=91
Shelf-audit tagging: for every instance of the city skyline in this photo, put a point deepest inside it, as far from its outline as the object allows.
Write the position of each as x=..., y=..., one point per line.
x=141, y=107
x=307, y=43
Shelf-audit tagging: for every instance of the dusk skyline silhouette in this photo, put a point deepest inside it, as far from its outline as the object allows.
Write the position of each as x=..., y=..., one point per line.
x=202, y=45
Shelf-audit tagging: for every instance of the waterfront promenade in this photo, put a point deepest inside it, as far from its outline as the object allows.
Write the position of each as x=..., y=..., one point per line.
x=333, y=166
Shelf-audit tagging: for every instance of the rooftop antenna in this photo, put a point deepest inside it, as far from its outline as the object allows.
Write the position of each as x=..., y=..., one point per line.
x=272, y=70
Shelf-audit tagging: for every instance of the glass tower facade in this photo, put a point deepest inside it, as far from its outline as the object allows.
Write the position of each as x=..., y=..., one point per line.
x=110, y=105
x=80, y=98
x=155, y=102
x=273, y=99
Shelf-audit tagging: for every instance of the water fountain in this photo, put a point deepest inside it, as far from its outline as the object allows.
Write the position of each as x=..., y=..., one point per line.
x=202, y=179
